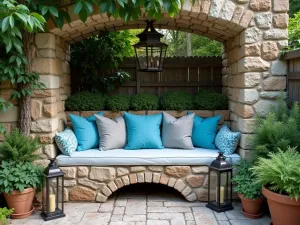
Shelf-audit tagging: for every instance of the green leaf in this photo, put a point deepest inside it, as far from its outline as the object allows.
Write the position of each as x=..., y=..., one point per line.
x=83, y=15
x=53, y=11
x=11, y=21
x=77, y=7
x=88, y=7
x=5, y=24
x=44, y=10
x=21, y=17
x=40, y=18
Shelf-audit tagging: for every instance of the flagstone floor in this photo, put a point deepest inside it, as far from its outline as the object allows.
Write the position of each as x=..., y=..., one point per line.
x=139, y=206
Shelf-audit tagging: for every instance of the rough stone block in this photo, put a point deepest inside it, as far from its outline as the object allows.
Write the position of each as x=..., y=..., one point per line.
x=101, y=198
x=70, y=172
x=50, y=110
x=246, y=141
x=248, y=96
x=164, y=179
x=47, y=66
x=79, y=193
x=253, y=64
x=186, y=191
x=246, y=18
x=140, y=177
x=155, y=168
x=200, y=169
x=260, y=5
x=36, y=109
x=156, y=178
x=82, y=171
x=281, y=20
x=102, y=173
x=202, y=194
x=51, y=151
x=112, y=186
x=44, y=125
x=281, y=5
x=133, y=178
x=279, y=68
x=179, y=185
x=192, y=197
x=106, y=191
x=246, y=125
x=263, y=107
x=215, y=8
x=195, y=180
x=276, y=34
x=251, y=35
x=269, y=50
x=121, y=171
x=263, y=20
x=44, y=93
x=177, y=171
x=135, y=169
x=274, y=84
x=91, y=184
x=125, y=180
x=148, y=177
x=50, y=81
x=119, y=182
x=45, y=40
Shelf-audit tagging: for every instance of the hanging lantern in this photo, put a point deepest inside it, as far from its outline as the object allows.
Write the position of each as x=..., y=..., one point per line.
x=150, y=51
x=220, y=185
x=53, y=193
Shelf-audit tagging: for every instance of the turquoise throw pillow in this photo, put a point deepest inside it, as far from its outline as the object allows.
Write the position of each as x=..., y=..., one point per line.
x=143, y=132
x=227, y=141
x=205, y=131
x=86, y=131
x=66, y=141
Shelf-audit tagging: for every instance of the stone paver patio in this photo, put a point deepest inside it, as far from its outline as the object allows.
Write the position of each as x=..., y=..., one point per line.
x=139, y=206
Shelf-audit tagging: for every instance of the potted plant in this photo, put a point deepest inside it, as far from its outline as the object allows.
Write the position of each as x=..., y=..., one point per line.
x=18, y=183
x=249, y=191
x=4, y=214
x=19, y=177
x=280, y=177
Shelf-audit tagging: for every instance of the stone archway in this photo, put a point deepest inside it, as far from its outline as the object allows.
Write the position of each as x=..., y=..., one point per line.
x=252, y=31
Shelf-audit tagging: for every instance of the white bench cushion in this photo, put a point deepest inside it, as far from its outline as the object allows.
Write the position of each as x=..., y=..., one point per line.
x=163, y=157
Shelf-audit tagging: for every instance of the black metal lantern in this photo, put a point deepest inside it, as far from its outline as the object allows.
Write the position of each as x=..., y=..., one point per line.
x=150, y=51
x=220, y=185
x=53, y=192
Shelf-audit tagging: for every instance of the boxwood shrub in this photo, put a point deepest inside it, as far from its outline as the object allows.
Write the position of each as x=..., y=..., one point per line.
x=144, y=101
x=86, y=101
x=118, y=103
x=210, y=100
x=176, y=100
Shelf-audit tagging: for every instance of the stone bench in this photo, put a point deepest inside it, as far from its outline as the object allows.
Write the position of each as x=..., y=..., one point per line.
x=94, y=175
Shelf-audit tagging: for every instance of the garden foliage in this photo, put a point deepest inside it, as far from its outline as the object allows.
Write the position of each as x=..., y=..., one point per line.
x=4, y=214
x=294, y=31
x=245, y=180
x=19, y=148
x=16, y=175
x=118, y=103
x=210, y=100
x=176, y=100
x=144, y=101
x=86, y=101
x=280, y=172
x=279, y=129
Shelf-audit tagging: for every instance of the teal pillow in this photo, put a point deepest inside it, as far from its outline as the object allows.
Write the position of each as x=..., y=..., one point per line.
x=66, y=141
x=86, y=131
x=227, y=141
x=143, y=132
x=205, y=131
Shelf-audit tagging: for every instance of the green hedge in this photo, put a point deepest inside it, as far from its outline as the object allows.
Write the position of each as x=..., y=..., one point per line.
x=86, y=101
x=144, y=101
x=210, y=100
x=174, y=100
x=118, y=103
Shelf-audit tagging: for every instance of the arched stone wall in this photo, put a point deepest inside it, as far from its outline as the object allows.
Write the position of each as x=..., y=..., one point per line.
x=98, y=183
x=253, y=33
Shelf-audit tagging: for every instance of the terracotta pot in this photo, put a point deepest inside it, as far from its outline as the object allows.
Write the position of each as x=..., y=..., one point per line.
x=251, y=207
x=283, y=209
x=21, y=202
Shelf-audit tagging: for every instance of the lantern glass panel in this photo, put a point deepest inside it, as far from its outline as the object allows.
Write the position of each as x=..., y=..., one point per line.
x=151, y=57
x=53, y=198
x=213, y=185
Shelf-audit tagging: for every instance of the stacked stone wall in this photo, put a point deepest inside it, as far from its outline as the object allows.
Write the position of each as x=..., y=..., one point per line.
x=90, y=183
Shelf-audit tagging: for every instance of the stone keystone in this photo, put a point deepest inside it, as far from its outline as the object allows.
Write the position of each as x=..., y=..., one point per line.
x=178, y=171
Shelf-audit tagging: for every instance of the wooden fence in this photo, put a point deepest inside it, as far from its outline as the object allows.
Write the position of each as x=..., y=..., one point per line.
x=293, y=78
x=180, y=73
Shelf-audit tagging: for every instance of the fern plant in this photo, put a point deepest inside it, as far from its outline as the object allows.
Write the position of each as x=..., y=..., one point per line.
x=281, y=172
x=18, y=147
x=278, y=130
x=245, y=180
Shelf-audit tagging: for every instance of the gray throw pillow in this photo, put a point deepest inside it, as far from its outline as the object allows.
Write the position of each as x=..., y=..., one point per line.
x=112, y=132
x=177, y=133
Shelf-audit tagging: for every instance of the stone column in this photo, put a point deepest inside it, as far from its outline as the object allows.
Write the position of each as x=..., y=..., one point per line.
x=256, y=76
x=48, y=110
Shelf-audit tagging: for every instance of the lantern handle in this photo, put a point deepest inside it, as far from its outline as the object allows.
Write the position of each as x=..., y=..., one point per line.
x=221, y=156
x=150, y=24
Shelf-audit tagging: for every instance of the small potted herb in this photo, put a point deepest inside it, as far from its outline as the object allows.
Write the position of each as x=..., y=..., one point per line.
x=4, y=214
x=249, y=191
x=280, y=177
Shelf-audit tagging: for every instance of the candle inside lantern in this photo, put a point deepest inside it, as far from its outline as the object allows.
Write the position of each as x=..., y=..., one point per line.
x=222, y=191
x=52, y=203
